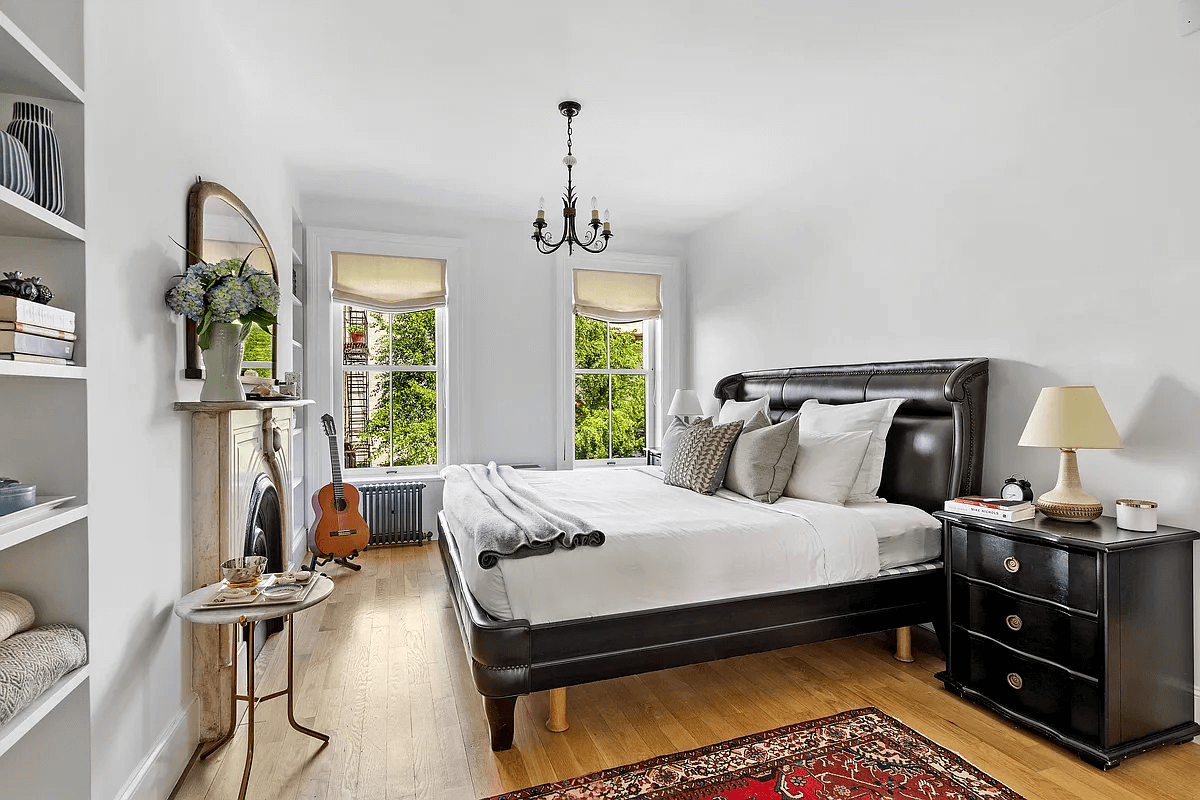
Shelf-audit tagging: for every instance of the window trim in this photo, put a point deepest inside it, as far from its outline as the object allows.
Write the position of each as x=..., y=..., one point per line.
x=323, y=329
x=651, y=354
x=668, y=359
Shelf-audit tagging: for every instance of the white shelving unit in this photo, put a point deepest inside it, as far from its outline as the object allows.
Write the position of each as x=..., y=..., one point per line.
x=45, y=750
x=300, y=484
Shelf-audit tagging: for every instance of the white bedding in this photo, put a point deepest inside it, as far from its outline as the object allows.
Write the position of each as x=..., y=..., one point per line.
x=667, y=546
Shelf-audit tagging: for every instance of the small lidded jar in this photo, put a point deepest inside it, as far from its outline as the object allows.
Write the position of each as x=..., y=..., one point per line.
x=1137, y=515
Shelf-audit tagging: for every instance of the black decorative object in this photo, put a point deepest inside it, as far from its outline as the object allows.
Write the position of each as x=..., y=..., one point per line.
x=33, y=126
x=597, y=239
x=31, y=288
x=1017, y=488
x=15, y=172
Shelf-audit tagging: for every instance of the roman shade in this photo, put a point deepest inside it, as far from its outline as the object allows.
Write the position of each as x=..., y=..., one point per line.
x=617, y=296
x=389, y=283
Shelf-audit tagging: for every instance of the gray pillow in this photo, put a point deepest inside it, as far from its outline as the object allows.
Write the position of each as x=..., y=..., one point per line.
x=703, y=453
x=670, y=440
x=762, y=458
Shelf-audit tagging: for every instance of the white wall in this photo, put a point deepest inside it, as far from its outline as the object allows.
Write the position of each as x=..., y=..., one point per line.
x=1047, y=220
x=509, y=347
x=162, y=107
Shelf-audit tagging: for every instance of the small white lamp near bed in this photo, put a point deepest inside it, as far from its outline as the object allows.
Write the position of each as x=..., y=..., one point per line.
x=685, y=404
x=1070, y=418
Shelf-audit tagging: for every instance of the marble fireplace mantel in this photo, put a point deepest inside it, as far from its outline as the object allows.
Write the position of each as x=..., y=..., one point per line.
x=232, y=444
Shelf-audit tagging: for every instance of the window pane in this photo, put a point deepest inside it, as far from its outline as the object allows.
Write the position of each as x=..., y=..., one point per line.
x=591, y=416
x=590, y=343
x=258, y=348
x=628, y=414
x=414, y=339
x=412, y=400
x=364, y=444
x=625, y=345
x=363, y=339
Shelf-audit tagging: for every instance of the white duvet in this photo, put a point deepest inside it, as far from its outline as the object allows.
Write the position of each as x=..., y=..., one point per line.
x=666, y=546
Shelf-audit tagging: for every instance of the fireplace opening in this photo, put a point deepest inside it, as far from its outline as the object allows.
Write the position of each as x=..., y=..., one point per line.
x=264, y=537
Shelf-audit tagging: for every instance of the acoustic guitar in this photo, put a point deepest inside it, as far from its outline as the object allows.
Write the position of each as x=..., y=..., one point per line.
x=340, y=531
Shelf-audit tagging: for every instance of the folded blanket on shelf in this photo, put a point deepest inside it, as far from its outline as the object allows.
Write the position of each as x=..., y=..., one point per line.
x=31, y=662
x=504, y=518
x=16, y=614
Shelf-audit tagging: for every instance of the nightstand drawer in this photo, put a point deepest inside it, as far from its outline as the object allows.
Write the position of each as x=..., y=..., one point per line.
x=1072, y=640
x=1046, y=694
x=1039, y=570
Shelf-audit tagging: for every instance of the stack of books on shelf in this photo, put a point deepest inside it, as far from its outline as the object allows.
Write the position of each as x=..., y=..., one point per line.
x=36, y=333
x=992, y=508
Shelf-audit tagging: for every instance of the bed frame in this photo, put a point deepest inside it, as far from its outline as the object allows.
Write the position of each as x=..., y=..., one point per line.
x=934, y=452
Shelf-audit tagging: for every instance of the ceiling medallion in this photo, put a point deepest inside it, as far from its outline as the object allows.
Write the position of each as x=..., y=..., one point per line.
x=597, y=238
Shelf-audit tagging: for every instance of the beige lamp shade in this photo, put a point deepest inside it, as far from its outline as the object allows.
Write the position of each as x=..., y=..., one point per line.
x=389, y=283
x=1072, y=417
x=618, y=297
x=685, y=403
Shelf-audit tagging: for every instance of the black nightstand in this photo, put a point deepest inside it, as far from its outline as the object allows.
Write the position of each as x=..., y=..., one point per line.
x=1082, y=632
x=653, y=456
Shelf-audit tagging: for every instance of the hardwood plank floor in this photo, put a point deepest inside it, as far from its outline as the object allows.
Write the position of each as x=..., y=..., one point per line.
x=380, y=668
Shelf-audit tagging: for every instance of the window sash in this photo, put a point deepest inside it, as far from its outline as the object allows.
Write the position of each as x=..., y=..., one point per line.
x=647, y=370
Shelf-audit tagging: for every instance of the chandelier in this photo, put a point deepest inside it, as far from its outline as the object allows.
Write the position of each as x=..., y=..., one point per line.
x=597, y=238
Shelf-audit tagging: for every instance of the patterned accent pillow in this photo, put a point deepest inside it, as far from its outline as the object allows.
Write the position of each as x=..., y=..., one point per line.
x=16, y=614
x=703, y=456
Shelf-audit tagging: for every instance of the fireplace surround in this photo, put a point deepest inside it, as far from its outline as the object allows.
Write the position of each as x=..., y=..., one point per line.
x=241, y=505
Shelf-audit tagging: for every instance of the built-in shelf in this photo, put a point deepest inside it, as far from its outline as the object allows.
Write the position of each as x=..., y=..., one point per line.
x=297, y=431
x=32, y=714
x=296, y=259
x=31, y=370
x=297, y=302
x=49, y=520
x=299, y=479
x=297, y=345
x=21, y=217
x=25, y=69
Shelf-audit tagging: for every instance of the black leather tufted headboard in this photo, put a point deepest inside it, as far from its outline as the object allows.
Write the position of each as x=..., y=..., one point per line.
x=935, y=446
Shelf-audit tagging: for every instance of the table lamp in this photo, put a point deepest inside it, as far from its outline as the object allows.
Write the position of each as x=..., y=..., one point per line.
x=685, y=403
x=1070, y=418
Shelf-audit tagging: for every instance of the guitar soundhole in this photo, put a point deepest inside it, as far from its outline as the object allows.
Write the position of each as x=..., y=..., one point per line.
x=339, y=505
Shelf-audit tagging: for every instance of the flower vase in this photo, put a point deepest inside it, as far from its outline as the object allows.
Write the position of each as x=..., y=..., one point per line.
x=33, y=126
x=223, y=363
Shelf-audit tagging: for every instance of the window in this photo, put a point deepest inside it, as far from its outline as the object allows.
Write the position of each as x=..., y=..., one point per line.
x=614, y=384
x=390, y=387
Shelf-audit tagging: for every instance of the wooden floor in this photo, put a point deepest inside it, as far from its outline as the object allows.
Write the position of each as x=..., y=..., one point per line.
x=381, y=668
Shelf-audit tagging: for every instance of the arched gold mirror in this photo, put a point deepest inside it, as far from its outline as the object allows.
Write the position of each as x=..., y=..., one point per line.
x=221, y=226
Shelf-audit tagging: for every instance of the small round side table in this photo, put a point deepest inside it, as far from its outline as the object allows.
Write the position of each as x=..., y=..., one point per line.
x=245, y=617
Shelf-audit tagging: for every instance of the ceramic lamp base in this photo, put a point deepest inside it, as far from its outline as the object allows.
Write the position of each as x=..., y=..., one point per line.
x=1068, y=501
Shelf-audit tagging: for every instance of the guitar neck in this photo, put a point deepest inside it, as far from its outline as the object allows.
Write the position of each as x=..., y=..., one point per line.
x=336, y=463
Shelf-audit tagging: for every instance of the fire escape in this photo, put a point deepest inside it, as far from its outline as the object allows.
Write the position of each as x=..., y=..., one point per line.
x=356, y=389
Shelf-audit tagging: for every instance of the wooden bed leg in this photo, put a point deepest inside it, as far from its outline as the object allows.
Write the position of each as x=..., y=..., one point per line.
x=904, y=644
x=501, y=713
x=558, y=711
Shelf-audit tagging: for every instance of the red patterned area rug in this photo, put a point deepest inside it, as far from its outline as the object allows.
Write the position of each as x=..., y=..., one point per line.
x=855, y=755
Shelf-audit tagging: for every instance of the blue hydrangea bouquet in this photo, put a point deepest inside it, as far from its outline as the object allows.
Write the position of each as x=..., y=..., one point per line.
x=228, y=291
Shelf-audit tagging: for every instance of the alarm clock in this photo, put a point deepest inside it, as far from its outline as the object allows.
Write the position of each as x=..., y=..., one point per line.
x=1016, y=488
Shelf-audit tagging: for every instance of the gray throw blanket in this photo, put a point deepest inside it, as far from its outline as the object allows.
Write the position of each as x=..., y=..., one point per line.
x=505, y=518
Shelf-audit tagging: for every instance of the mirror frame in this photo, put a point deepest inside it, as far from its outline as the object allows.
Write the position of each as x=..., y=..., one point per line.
x=201, y=191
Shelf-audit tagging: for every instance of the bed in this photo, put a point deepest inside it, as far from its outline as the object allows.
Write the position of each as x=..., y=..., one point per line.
x=934, y=452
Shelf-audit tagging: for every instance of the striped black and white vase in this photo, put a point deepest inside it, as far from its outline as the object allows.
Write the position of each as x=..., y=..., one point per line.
x=15, y=172
x=33, y=126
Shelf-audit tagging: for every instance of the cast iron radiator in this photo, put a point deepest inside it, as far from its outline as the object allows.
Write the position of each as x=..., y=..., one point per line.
x=394, y=511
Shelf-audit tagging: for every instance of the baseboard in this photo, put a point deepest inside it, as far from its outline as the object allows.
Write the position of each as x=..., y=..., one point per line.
x=158, y=771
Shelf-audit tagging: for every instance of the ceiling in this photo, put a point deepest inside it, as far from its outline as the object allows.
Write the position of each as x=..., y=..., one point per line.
x=690, y=109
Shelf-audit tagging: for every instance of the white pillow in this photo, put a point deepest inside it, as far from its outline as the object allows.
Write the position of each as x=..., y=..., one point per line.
x=732, y=410
x=874, y=417
x=827, y=465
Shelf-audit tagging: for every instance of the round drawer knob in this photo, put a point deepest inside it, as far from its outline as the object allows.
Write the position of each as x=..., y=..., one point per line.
x=1011, y=564
x=1014, y=622
x=1014, y=680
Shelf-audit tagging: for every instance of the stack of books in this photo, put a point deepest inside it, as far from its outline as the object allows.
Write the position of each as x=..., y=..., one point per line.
x=991, y=508
x=35, y=332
